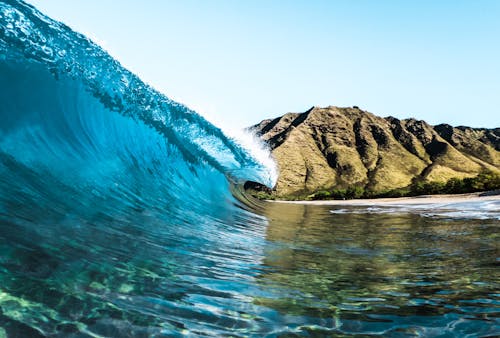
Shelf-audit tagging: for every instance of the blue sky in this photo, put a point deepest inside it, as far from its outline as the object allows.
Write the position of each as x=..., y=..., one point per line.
x=238, y=62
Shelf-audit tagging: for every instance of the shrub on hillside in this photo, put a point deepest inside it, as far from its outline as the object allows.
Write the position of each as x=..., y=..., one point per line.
x=482, y=182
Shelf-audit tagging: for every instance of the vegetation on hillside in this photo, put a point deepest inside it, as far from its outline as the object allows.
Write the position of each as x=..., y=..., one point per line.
x=486, y=181
x=482, y=182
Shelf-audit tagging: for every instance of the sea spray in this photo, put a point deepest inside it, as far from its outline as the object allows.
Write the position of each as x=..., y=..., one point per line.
x=259, y=150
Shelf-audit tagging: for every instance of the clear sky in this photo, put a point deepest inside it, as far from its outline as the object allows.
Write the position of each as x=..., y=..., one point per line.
x=238, y=62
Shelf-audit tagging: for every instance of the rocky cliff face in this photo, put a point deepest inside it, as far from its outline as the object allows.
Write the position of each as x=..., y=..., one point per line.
x=336, y=147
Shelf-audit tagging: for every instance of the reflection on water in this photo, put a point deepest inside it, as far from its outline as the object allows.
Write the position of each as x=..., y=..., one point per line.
x=304, y=271
x=379, y=273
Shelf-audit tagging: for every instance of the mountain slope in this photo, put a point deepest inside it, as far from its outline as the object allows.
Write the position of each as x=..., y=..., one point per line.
x=336, y=147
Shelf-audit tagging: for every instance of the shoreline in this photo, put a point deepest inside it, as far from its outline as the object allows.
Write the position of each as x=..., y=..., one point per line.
x=424, y=199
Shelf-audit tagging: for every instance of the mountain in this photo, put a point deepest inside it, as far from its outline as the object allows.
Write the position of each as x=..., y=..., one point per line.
x=335, y=147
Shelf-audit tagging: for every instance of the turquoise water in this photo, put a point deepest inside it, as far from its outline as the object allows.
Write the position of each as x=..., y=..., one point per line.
x=118, y=217
x=395, y=271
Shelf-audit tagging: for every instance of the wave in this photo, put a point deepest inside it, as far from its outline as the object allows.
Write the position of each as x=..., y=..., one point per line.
x=107, y=186
x=72, y=115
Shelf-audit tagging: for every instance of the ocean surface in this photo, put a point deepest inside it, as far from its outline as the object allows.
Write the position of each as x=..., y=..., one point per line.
x=122, y=215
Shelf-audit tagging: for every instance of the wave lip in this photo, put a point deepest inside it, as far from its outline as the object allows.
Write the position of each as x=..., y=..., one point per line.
x=26, y=34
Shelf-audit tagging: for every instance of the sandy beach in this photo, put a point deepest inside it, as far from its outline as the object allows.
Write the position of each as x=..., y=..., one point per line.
x=425, y=199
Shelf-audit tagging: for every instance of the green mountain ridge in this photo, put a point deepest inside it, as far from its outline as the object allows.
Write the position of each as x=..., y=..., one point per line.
x=335, y=148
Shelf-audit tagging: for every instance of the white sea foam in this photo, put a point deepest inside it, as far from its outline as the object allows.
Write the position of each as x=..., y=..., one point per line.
x=489, y=209
x=259, y=151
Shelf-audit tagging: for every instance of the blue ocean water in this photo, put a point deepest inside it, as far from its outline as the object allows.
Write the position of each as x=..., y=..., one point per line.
x=121, y=214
